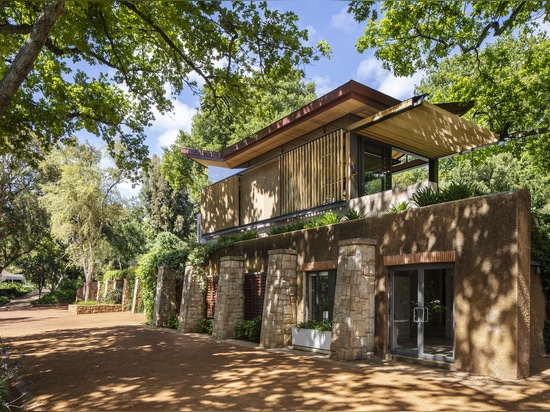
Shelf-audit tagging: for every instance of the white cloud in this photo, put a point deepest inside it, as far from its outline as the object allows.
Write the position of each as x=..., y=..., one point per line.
x=344, y=21
x=370, y=72
x=322, y=85
x=166, y=127
x=127, y=191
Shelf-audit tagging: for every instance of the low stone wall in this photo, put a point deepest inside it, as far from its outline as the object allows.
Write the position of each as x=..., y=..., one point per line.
x=89, y=309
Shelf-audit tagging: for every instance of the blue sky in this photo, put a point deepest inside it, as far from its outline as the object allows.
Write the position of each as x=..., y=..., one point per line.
x=324, y=20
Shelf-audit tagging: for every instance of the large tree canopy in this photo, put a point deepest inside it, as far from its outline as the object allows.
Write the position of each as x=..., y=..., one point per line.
x=409, y=36
x=103, y=65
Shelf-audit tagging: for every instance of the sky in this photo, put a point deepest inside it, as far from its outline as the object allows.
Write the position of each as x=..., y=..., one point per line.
x=325, y=20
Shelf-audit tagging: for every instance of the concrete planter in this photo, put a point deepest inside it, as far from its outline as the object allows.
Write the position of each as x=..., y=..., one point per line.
x=311, y=340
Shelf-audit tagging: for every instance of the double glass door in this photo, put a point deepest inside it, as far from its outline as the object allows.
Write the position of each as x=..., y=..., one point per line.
x=422, y=312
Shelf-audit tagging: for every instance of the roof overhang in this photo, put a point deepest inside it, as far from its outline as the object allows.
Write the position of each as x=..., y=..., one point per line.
x=414, y=126
x=424, y=129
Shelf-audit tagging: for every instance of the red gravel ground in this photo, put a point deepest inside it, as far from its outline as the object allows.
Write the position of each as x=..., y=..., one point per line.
x=112, y=362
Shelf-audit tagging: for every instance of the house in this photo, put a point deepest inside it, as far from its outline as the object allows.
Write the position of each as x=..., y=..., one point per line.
x=449, y=284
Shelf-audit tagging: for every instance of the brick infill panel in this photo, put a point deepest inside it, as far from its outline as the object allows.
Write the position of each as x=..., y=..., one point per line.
x=415, y=258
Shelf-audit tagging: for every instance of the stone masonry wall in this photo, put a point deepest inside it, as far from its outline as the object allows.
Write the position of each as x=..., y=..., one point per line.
x=279, y=313
x=165, y=299
x=353, y=316
x=230, y=300
x=192, y=301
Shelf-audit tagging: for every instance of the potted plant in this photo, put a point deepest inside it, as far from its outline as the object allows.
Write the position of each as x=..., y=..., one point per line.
x=313, y=336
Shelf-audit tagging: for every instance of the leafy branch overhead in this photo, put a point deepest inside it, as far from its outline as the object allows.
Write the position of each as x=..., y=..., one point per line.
x=409, y=36
x=104, y=66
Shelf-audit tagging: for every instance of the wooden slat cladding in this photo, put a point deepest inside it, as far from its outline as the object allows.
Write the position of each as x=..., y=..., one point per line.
x=260, y=193
x=314, y=174
x=220, y=205
x=254, y=292
x=211, y=295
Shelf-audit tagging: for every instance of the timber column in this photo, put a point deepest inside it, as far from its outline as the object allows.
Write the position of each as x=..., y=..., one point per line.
x=192, y=301
x=279, y=313
x=353, y=316
x=230, y=297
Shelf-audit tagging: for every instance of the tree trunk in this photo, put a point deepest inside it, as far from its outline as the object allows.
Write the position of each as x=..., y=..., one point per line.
x=24, y=61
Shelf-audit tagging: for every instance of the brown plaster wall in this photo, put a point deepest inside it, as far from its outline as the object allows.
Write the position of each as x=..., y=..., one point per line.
x=490, y=237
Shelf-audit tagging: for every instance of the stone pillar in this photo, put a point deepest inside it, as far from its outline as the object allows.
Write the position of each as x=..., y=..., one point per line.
x=125, y=294
x=230, y=300
x=353, y=316
x=137, y=296
x=279, y=313
x=165, y=298
x=192, y=301
x=97, y=294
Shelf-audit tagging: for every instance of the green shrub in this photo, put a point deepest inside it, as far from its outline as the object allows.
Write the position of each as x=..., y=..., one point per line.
x=9, y=369
x=249, y=330
x=353, y=214
x=291, y=227
x=114, y=296
x=4, y=300
x=64, y=294
x=399, y=207
x=456, y=191
x=172, y=322
x=205, y=326
x=426, y=196
x=87, y=303
x=13, y=290
x=316, y=325
x=327, y=218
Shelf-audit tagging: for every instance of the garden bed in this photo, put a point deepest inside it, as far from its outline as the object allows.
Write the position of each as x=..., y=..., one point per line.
x=90, y=309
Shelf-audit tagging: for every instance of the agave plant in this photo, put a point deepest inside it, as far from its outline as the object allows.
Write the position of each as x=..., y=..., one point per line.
x=426, y=196
x=353, y=214
x=327, y=218
x=457, y=191
x=399, y=207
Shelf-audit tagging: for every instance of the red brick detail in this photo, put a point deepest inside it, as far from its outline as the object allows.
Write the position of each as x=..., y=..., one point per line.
x=415, y=258
x=322, y=265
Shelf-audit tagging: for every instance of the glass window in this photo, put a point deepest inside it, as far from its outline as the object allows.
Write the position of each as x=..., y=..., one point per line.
x=376, y=169
x=320, y=295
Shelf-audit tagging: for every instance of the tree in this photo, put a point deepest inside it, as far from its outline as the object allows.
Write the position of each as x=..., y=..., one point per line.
x=102, y=66
x=508, y=82
x=416, y=35
x=23, y=221
x=215, y=128
x=166, y=209
x=80, y=198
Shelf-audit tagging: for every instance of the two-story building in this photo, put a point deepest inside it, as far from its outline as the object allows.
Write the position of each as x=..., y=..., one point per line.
x=449, y=283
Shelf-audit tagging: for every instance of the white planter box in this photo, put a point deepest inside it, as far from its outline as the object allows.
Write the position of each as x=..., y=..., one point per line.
x=311, y=340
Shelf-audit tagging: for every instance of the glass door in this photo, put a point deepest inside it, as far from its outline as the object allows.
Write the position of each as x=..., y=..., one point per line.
x=421, y=320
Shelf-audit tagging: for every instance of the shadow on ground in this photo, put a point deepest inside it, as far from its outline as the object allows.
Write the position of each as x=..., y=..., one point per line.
x=139, y=368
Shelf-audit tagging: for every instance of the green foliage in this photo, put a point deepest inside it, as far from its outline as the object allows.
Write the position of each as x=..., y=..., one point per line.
x=249, y=330
x=127, y=54
x=13, y=290
x=172, y=322
x=205, y=326
x=114, y=296
x=426, y=196
x=399, y=207
x=353, y=214
x=64, y=294
x=316, y=325
x=88, y=303
x=409, y=36
x=327, y=218
x=4, y=300
x=290, y=227
x=456, y=191
x=9, y=371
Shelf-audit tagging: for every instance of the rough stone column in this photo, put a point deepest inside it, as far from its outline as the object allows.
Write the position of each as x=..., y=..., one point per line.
x=165, y=299
x=353, y=316
x=192, y=301
x=230, y=299
x=125, y=294
x=279, y=313
x=137, y=296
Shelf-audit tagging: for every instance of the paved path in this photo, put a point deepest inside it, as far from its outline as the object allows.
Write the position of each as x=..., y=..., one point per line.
x=113, y=362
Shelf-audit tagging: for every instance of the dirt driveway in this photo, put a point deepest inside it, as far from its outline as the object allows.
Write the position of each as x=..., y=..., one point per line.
x=113, y=362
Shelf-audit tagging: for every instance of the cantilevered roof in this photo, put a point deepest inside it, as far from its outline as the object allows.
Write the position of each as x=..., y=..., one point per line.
x=425, y=129
x=414, y=125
